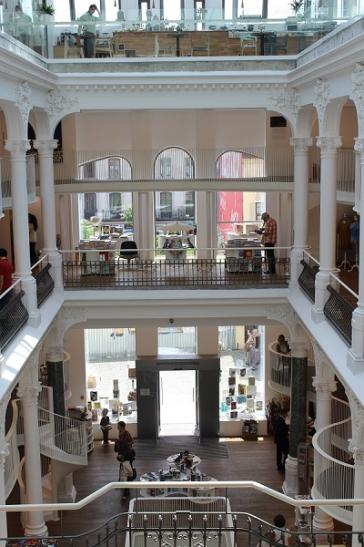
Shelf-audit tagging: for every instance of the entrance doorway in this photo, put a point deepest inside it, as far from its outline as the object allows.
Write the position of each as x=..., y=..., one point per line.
x=177, y=402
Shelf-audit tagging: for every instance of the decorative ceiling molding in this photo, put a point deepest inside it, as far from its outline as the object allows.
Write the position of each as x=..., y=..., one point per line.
x=286, y=101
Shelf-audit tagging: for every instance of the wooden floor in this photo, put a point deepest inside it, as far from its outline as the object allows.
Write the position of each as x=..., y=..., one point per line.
x=237, y=460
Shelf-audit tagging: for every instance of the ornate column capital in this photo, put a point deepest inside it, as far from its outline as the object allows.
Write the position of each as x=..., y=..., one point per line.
x=328, y=145
x=321, y=100
x=17, y=148
x=29, y=393
x=45, y=147
x=300, y=144
x=323, y=386
x=359, y=145
x=358, y=453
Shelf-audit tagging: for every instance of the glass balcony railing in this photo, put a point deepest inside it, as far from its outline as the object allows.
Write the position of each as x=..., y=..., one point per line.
x=202, y=36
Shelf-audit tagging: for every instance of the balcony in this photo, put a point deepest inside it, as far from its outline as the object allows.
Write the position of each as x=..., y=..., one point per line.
x=243, y=268
x=280, y=372
x=194, y=36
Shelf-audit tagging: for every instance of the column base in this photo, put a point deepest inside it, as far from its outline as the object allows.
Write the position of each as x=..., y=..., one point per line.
x=36, y=531
x=317, y=314
x=322, y=522
x=290, y=486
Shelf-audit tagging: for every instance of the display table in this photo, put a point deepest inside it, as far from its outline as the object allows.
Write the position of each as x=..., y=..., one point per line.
x=176, y=245
x=97, y=257
x=201, y=490
x=176, y=460
x=242, y=255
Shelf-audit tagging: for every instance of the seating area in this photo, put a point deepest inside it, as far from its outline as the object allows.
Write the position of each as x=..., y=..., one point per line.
x=214, y=43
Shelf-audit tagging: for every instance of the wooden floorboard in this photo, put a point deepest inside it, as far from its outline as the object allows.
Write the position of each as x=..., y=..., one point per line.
x=248, y=460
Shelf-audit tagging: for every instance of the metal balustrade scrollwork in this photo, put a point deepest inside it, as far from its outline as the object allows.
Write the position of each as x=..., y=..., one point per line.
x=307, y=278
x=339, y=310
x=13, y=316
x=44, y=280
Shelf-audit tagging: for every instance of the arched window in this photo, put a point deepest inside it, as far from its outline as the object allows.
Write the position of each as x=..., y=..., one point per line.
x=174, y=163
x=114, y=168
x=238, y=211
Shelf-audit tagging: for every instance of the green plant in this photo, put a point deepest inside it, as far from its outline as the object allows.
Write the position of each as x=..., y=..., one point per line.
x=296, y=5
x=45, y=8
x=87, y=229
x=128, y=214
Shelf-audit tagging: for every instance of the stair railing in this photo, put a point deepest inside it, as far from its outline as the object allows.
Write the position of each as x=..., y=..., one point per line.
x=334, y=472
x=12, y=460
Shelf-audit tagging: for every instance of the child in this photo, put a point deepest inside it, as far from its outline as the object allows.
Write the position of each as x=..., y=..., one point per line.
x=105, y=425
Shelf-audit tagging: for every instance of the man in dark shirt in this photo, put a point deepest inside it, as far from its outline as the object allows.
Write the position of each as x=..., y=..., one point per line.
x=5, y=271
x=281, y=439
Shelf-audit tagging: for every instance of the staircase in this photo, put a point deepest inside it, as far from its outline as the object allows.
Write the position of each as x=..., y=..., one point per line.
x=334, y=472
x=63, y=443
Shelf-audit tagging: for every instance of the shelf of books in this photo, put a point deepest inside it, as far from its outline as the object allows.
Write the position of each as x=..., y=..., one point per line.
x=242, y=401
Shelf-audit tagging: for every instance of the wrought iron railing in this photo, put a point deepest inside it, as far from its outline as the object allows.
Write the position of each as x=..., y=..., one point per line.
x=180, y=273
x=339, y=307
x=307, y=277
x=45, y=282
x=280, y=370
x=13, y=314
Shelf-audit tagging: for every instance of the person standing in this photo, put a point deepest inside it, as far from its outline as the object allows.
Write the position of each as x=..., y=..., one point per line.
x=281, y=439
x=33, y=227
x=6, y=279
x=124, y=443
x=23, y=25
x=269, y=240
x=87, y=29
x=105, y=425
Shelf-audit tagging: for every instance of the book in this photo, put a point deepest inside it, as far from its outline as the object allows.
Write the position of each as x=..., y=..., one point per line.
x=242, y=372
x=233, y=414
x=258, y=405
x=232, y=380
x=232, y=391
x=242, y=389
x=233, y=405
x=251, y=380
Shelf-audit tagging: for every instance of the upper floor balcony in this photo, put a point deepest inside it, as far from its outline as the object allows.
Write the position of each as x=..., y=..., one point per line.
x=200, y=34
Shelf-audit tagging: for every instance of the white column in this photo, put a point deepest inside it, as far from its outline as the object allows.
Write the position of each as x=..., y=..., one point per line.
x=46, y=170
x=356, y=353
x=28, y=391
x=206, y=223
x=143, y=205
x=19, y=197
x=300, y=204
x=328, y=184
x=322, y=522
x=4, y=453
x=358, y=510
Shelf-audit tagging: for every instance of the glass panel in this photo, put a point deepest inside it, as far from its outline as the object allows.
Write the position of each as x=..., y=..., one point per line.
x=110, y=373
x=176, y=340
x=242, y=391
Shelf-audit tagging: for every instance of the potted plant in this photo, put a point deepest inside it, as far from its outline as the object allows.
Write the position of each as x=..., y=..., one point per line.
x=296, y=6
x=45, y=11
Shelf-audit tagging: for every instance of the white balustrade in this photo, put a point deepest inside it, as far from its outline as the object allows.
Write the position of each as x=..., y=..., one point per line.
x=12, y=460
x=334, y=472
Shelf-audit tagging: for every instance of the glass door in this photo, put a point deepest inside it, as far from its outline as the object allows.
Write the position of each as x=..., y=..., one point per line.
x=177, y=396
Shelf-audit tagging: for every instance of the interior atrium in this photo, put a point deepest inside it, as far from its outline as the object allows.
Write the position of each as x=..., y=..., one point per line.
x=180, y=213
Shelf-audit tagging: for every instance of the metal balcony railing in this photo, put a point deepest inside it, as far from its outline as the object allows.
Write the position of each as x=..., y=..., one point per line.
x=13, y=314
x=280, y=371
x=307, y=276
x=339, y=307
x=45, y=282
x=240, y=268
x=184, y=520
